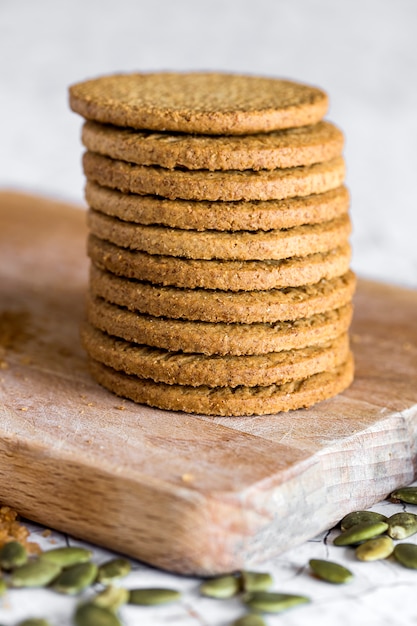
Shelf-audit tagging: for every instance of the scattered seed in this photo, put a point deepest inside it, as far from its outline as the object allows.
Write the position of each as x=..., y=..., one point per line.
x=113, y=570
x=271, y=602
x=360, y=532
x=330, y=572
x=402, y=525
x=251, y=619
x=12, y=555
x=405, y=494
x=375, y=549
x=67, y=556
x=153, y=596
x=255, y=581
x=34, y=621
x=111, y=598
x=222, y=587
x=359, y=517
x=76, y=578
x=92, y=615
x=406, y=554
x=36, y=573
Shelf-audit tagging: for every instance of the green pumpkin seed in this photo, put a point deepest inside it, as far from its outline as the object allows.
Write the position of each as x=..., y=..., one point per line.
x=405, y=494
x=360, y=532
x=3, y=587
x=406, y=554
x=251, y=619
x=255, y=581
x=36, y=573
x=222, y=587
x=12, y=555
x=34, y=621
x=76, y=578
x=113, y=570
x=270, y=602
x=91, y=615
x=375, y=549
x=330, y=572
x=402, y=525
x=153, y=596
x=359, y=517
x=67, y=556
x=111, y=598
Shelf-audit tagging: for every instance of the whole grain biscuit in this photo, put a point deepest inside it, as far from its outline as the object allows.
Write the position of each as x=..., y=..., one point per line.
x=217, y=338
x=247, y=307
x=232, y=216
x=285, y=148
x=230, y=185
x=226, y=401
x=218, y=274
x=213, y=371
x=237, y=246
x=200, y=102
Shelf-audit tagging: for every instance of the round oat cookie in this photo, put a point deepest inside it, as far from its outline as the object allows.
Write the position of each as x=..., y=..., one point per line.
x=247, y=307
x=238, y=246
x=230, y=185
x=232, y=216
x=267, y=151
x=219, y=274
x=214, y=371
x=226, y=401
x=217, y=338
x=200, y=102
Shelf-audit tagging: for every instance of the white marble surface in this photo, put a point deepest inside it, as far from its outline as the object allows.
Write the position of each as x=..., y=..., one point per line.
x=364, y=53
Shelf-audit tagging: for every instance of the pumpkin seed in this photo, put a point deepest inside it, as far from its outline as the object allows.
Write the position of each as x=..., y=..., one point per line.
x=36, y=573
x=111, y=598
x=92, y=615
x=113, y=570
x=330, y=572
x=221, y=587
x=359, y=517
x=67, y=556
x=153, y=596
x=3, y=587
x=76, y=578
x=406, y=554
x=34, y=621
x=12, y=555
x=360, y=532
x=405, y=494
x=271, y=602
x=255, y=581
x=375, y=549
x=251, y=619
x=402, y=525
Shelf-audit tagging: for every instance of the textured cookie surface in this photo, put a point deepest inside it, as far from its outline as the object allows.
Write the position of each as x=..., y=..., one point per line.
x=216, y=338
x=214, y=371
x=247, y=307
x=232, y=216
x=286, y=148
x=225, y=400
x=228, y=185
x=243, y=246
x=218, y=274
x=209, y=103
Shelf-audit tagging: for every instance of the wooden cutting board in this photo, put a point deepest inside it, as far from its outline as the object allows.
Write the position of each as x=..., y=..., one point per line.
x=191, y=494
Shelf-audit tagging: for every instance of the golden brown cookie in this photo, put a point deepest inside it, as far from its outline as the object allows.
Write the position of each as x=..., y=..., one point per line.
x=208, y=103
x=267, y=151
x=214, y=371
x=212, y=244
x=226, y=401
x=232, y=216
x=220, y=185
x=291, y=303
x=217, y=338
x=218, y=274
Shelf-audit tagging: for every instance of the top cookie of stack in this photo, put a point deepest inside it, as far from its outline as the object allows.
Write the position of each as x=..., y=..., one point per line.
x=220, y=279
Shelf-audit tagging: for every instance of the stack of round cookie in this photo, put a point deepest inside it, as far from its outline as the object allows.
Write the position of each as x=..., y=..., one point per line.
x=219, y=227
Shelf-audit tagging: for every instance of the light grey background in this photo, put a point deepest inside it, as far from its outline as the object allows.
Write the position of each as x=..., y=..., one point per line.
x=362, y=52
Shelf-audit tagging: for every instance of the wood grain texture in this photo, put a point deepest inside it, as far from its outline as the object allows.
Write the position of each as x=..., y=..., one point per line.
x=191, y=494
